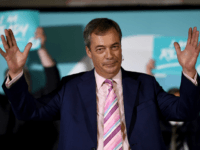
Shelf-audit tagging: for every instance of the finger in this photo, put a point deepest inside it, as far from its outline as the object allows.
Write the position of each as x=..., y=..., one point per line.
x=14, y=43
x=152, y=66
x=151, y=60
x=8, y=38
x=151, y=63
x=37, y=36
x=189, y=36
x=177, y=48
x=42, y=37
x=2, y=53
x=193, y=35
x=198, y=48
x=5, y=44
x=39, y=33
x=196, y=39
x=40, y=30
x=27, y=49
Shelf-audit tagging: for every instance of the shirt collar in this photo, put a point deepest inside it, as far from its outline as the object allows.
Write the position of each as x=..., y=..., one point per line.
x=99, y=79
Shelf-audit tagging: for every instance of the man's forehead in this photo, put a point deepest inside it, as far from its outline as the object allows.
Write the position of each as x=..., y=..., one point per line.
x=109, y=36
x=103, y=42
x=103, y=32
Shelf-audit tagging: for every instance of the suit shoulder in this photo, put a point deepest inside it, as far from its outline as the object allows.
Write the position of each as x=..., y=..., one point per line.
x=73, y=77
x=69, y=81
x=140, y=76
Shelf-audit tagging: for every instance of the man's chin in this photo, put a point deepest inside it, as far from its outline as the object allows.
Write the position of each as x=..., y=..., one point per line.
x=112, y=70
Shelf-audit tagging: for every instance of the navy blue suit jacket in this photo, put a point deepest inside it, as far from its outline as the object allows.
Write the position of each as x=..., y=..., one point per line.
x=74, y=103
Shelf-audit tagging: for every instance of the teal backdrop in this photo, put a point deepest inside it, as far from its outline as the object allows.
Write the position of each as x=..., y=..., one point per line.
x=65, y=39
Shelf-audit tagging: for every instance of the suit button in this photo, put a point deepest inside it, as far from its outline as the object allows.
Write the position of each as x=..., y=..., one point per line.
x=93, y=148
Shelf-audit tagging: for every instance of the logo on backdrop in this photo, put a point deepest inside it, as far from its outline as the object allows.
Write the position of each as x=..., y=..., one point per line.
x=165, y=56
x=169, y=53
x=23, y=25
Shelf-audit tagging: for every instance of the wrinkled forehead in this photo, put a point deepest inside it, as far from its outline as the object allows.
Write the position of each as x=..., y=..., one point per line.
x=105, y=38
x=111, y=33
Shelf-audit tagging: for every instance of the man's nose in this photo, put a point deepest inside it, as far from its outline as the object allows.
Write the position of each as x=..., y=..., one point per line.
x=109, y=53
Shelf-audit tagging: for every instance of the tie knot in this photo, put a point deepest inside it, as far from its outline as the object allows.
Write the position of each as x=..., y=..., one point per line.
x=109, y=81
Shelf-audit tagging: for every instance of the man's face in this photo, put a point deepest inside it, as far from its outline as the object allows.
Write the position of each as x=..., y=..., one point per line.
x=105, y=52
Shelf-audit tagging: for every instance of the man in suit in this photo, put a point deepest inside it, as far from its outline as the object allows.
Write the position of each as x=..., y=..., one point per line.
x=106, y=108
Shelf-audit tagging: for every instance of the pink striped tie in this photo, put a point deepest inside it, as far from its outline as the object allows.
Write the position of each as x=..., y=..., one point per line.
x=112, y=124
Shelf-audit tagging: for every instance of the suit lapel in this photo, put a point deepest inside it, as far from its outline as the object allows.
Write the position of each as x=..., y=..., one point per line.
x=130, y=90
x=87, y=89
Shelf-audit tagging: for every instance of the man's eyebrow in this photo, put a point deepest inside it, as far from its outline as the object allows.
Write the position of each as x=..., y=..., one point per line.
x=116, y=43
x=99, y=46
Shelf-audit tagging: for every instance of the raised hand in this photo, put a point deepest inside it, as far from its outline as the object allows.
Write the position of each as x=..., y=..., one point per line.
x=150, y=66
x=15, y=59
x=40, y=34
x=187, y=58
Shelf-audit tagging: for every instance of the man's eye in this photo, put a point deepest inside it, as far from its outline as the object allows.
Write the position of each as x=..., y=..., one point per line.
x=115, y=47
x=100, y=49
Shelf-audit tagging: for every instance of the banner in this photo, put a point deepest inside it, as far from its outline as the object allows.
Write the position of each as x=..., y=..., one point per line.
x=23, y=25
x=165, y=56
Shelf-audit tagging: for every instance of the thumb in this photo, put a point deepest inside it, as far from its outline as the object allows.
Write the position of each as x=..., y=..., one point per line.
x=177, y=48
x=27, y=49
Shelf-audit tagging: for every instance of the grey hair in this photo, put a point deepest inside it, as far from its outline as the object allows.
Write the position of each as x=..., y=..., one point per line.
x=99, y=26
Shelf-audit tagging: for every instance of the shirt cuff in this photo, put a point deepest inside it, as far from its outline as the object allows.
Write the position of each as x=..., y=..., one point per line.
x=10, y=82
x=194, y=81
x=173, y=123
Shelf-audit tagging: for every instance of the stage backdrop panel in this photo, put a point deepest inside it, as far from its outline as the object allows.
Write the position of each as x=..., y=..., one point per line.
x=140, y=29
x=23, y=24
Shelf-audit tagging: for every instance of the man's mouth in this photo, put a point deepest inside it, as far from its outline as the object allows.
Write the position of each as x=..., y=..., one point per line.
x=110, y=64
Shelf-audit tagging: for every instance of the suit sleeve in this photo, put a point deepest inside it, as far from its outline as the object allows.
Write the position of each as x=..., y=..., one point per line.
x=186, y=107
x=52, y=81
x=24, y=106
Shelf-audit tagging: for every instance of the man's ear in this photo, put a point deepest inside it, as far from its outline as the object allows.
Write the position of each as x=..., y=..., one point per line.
x=88, y=51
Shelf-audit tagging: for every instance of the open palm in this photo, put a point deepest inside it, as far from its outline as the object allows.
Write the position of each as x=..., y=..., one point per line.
x=15, y=59
x=188, y=57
